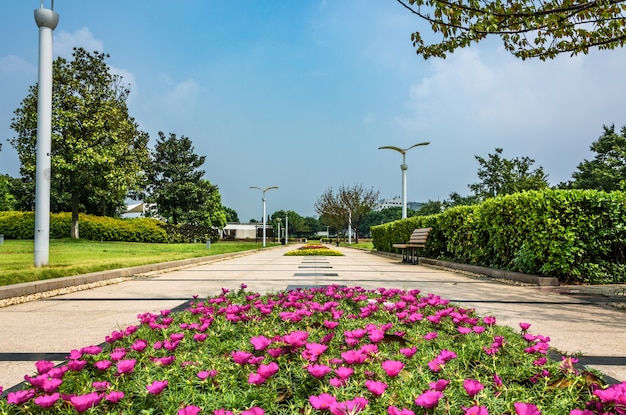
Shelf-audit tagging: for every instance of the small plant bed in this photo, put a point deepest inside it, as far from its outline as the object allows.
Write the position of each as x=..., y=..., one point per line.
x=327, y=350
x=313, y=250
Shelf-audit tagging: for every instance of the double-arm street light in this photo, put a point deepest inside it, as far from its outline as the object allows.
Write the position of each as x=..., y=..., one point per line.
x=403, y=167
x=264, y=190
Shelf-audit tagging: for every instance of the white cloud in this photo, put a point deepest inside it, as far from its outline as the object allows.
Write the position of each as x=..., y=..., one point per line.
x=14, y=65
x=65, y=42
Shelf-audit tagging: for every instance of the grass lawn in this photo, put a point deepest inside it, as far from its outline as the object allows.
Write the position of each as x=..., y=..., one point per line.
x=73, y=257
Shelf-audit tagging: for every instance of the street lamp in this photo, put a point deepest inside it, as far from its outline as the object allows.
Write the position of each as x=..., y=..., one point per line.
x=403, y=167
x=264, y=190
x=47, y=21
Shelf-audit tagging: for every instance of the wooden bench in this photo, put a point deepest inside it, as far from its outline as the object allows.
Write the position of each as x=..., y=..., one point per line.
x=416, y=241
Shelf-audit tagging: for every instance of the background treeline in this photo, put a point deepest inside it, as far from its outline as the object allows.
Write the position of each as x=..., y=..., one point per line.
x=578, y=236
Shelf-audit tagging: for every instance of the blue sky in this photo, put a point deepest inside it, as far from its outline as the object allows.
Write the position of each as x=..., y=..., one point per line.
x=300, y=94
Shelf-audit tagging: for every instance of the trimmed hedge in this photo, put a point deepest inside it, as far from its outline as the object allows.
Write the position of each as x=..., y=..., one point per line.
x=577, y=236
x=21, y=225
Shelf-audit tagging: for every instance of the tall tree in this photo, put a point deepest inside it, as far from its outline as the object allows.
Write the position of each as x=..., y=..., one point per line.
x=528, y=29
x=176, y=186
x=500, y=176
x=607, y=171
x=348, y=206
x=98, y=151
x=231, y=215
x=7, y=200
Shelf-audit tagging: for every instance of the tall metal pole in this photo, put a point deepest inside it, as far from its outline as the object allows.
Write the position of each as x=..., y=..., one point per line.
x=264, y=219
x=47, y=21
x=404, y=167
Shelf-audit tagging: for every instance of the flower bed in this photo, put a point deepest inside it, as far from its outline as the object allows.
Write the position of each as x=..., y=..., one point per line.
x=316, y=250
x=326, y=350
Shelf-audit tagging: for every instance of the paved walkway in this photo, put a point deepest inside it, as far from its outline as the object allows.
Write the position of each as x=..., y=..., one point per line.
x=50, y=328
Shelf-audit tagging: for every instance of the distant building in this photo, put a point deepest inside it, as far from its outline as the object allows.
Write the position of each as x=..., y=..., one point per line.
x=242, y=231
x=397, y=202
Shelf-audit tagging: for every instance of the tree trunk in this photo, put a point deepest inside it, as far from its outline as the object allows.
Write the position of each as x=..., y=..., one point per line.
x=74, y=230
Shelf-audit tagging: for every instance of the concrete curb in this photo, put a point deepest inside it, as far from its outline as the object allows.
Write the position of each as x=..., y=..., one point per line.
x=487, y=272
x=494, y=273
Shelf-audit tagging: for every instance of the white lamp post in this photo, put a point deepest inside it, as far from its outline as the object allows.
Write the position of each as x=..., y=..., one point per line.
x=47, y=21
x=404, y=167
x=264, y=190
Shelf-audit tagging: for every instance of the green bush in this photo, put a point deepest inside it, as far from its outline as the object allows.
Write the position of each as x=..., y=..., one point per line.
x=578, y=236
x=21, y=225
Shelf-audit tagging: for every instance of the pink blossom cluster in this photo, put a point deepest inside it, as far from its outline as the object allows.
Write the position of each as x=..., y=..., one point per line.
x=349, y=370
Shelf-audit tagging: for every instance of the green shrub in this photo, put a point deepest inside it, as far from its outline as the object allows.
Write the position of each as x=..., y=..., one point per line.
x=578, y=236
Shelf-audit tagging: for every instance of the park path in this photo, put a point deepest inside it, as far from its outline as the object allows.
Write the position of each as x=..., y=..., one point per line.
x=49, y=328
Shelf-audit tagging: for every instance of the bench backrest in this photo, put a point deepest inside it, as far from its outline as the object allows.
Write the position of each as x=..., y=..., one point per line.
x=419, y=236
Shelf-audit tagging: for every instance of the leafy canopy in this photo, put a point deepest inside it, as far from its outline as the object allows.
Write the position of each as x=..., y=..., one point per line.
x=98, y=151
x=177, y=187
x=528, y=29
x=607, y=171
x=500, y=176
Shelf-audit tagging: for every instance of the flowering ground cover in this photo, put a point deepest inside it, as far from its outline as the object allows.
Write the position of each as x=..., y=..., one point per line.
x=327, y=350
x=315, y=250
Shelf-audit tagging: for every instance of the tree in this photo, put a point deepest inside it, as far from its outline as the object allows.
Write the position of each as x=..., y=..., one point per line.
x=231, y=215
x=607, y=171
x=98, y=151
x=7, y=200
x=528, y=29
x=348, y=205
x=500, y=176
x=176, y=186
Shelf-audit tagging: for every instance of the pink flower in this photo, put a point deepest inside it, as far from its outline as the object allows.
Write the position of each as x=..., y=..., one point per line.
x=392, y=367
x=87, y=401
x=139, y=345
x=323, y=401
x=319, y=371
x=349, y=407
x=477, y=410
x=46, y=401
x=435, y=364
x=313, y=351
x=439, y=385
x=260, y=343
x=222, y=411
x=267, y=371
x=429, y=399
x=489, y=320
x=337, y=382
x=189, y=410
x=43, y=366
x=50, y=385
x=524, y=326
x=344, y=372
x=522, y=408
x=256, y=379
x=207, y=374
x=126, y=366
x=200, y=337
x=408, y=351
x=296, y=338
x=472, y=387
x=76, y=365
x=392, y=410
x=20, y=397
x=103, y=365
x=431, y=336
x=241, y=357
x=376, y=388
x=157, y=386
x=354, y=357
x=114, y=396
x=581, y=412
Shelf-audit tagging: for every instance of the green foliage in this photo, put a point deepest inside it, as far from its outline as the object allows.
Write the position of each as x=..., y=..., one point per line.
x=176, y=186
x=527, y=29
x=98, y=151
x=7, y=200
x=607, y=171
x=500, y=176
x=578, y=236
